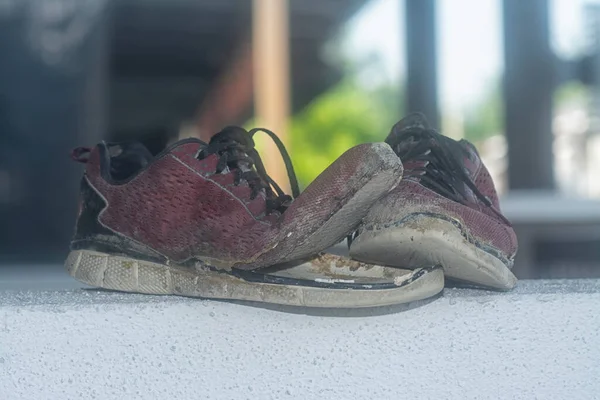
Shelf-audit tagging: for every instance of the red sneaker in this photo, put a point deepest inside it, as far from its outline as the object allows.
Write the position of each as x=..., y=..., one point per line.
x=205, y=220
x=445, y=211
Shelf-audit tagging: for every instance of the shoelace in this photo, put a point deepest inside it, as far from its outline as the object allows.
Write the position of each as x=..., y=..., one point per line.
x=442, y=168
x=235, y=148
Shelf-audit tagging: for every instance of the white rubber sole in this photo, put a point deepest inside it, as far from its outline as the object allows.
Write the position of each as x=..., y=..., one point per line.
x=429, y=241
x=130, y=275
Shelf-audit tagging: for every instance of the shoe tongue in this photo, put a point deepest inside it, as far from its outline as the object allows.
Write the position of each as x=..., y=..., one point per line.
x=133, y=153
x=233, y=134
x=239, y=135
x=126, y=159
x=415, y=121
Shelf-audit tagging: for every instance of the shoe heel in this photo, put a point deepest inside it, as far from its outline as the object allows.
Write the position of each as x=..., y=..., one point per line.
x=119, y=273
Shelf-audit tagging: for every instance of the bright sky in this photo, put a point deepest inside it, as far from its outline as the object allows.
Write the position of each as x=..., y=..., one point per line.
x=469, y=41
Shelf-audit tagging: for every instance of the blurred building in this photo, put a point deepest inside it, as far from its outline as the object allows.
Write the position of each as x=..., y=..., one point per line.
x=75, y=72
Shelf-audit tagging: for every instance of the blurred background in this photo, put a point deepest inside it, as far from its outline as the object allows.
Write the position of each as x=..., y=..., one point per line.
x=520, y=79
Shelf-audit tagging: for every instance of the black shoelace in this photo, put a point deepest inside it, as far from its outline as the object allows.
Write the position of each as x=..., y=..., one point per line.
x=442, y=167
x=235, y=148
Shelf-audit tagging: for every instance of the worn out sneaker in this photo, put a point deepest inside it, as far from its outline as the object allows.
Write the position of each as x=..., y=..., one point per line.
x=206, y=220
x=445, y=211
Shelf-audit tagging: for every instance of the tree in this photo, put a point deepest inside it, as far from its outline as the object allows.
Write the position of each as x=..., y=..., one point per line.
x=344, y=116
x=485, y=119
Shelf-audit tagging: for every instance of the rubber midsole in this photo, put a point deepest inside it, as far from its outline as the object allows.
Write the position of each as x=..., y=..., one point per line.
x=130, y=275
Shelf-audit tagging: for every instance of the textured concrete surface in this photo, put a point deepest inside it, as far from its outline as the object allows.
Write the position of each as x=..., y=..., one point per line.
x=541, y=341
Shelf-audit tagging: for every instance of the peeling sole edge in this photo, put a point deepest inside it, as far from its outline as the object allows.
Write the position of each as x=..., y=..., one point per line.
x=440, y=243
x=130, y=275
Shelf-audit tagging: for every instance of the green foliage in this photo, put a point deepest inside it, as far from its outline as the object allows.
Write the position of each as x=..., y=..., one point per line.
x=485, y=119
x=344, y=116
x=572, y=93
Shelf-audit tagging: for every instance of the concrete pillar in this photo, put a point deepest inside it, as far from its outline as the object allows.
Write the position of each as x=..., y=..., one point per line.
x=421, y=53
x=529, y=83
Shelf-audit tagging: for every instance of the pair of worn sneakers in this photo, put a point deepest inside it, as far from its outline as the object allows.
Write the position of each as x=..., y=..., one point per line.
x=206, y=220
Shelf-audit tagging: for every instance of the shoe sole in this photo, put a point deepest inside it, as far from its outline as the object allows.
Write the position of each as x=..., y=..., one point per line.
x=425, y=240
x=386, y=176
x=126, y=274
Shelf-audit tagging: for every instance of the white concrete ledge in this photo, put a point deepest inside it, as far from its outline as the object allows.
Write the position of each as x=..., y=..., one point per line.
x=540, y=341
x=544, y=207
